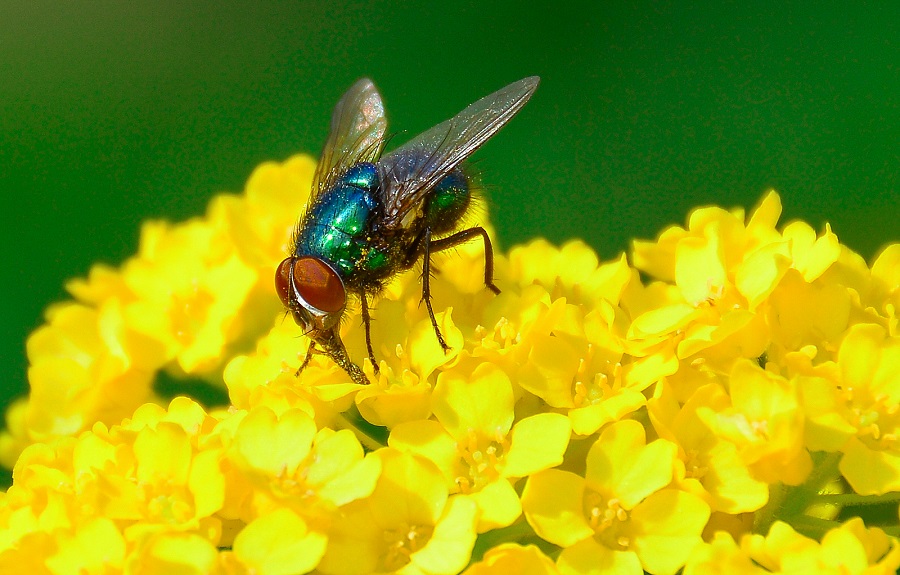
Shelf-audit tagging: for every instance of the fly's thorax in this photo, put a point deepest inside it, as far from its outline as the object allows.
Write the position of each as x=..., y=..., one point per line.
x=363, y=175
x=338, y=227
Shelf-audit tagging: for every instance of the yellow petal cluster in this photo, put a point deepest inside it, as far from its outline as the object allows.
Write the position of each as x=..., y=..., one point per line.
x=725, y=399
x=846, y=548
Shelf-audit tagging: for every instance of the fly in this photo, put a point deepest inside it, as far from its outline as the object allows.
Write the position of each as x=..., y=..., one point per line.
x=371, y=216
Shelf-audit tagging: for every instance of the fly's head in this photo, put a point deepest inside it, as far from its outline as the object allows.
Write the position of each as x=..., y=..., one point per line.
x=314, y=294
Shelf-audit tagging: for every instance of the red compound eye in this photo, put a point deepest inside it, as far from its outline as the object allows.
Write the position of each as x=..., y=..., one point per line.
x=283, y=281
x=319, y=285
x=315, y=284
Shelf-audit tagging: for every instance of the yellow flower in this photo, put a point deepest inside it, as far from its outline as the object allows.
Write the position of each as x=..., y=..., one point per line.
x=721, y=556
x=712, y=466
x=95, y=547
x=885, y=287
x=262, y=219
x=113, y=495
x=279, y=544
x=288, y=462
x=622, y=516
x=870, y=386
x=764, y=422
x=848, y=548
x=163, y=553
x=476, y=446
x=409, y=524
x=716, y=417
x=85, y=366
x=510, y=558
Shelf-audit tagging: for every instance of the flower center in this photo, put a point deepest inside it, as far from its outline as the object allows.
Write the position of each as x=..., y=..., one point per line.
x=401, y=542
x=503, y=335
x=481, y=459
x=607, y=518
x=872, y=417
x=592, y=387
x=166, y=503
x=693, y=465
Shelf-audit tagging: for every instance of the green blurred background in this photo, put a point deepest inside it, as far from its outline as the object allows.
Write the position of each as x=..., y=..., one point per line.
x=115, y=112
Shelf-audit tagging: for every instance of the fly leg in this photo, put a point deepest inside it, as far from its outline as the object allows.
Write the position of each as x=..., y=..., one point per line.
x=309, y=353
x=367, y=322
x=426, y=288
x=462, y=237
x=450, y=241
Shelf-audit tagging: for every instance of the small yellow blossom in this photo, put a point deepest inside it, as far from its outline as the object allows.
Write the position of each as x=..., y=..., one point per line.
x=850, y=548
x=165, y=553
x=510, y=558
x=409, y=524
x=279, y=544
x=712, y=466
x=764, y=422
x=884, y=291
x=622, y=516
x=131, y=488
x=96, y=546
x=476, y=446
x=289, y=463
x=174, y=284
x=721, y=556
x=870, y=384
x=711, y=401
x=83, y=369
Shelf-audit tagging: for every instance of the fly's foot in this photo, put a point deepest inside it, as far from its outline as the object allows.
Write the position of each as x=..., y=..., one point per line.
x=309, y=353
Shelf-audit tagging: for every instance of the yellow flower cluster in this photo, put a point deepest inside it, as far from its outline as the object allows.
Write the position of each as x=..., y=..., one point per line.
x=709, y=407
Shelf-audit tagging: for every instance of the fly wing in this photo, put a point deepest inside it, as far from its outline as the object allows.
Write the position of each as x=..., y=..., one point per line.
x=411, y=171
x=357, y=134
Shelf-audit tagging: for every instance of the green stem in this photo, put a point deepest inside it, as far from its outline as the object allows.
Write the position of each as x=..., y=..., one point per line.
x=789, y=504
x=812, y=527
x=369, y=442
x=847, y=499
x=511, y=533
x=764, y=517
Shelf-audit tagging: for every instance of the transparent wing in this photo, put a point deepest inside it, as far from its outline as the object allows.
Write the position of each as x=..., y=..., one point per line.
x=411, y=171
x=357, y=134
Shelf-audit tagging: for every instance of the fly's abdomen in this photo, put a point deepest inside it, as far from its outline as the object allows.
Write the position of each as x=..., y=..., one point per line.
x=438, y=206
x=337, y=227
x=448, y=202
